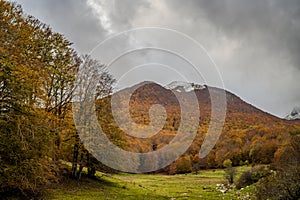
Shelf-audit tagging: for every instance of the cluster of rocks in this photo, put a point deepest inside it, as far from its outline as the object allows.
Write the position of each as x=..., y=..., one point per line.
x=223, y=187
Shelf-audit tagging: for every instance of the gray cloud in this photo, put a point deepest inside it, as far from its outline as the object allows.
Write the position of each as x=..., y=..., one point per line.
x=265, y=63
x=277, y=23
x=256, y=44
x=74, y=19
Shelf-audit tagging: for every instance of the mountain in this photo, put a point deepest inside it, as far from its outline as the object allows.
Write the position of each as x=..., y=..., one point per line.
x=249, y=134
x=294, y=115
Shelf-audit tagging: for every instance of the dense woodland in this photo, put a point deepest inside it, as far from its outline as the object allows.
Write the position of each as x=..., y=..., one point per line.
x=37, y=133
x=38, y=139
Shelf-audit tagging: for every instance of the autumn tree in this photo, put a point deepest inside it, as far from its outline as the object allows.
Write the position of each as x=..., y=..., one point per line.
x=37, y=68
x=24, y=135
x=285, y=182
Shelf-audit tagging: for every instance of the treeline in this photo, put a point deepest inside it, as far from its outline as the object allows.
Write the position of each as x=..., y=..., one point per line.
x=37, y=132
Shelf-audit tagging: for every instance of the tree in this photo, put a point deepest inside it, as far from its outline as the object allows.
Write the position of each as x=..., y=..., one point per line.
x=91, y=71
x=181, y=165
x=37, y=68
x=285, y=182
x=24, y=135
x=230, y=172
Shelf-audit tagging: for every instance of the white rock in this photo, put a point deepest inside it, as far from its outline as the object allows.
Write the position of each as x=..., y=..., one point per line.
x=180, y=86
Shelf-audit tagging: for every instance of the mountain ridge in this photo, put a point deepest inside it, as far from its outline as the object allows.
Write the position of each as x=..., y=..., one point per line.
x=191, y=86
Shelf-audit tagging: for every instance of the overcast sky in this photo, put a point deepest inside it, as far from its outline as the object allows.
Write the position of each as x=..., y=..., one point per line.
x=255, y=44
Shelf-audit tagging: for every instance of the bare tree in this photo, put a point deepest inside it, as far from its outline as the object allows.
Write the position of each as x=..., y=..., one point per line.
x=93, y=82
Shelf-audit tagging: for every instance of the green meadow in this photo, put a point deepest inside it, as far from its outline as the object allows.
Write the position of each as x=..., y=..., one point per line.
x=149, y=186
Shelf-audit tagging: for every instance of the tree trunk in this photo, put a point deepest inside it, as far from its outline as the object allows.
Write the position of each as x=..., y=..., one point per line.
x=75, y=159
x=80, y=166
x=90, y=166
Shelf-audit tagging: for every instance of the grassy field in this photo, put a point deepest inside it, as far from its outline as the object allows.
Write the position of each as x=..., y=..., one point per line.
x=143, y=186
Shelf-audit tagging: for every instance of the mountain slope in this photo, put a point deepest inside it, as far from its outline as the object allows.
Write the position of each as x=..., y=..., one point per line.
x=248, y=133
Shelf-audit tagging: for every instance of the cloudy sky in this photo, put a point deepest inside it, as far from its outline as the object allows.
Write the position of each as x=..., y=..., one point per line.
x=255, y=44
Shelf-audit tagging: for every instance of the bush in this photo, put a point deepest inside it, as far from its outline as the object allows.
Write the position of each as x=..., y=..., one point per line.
x=252, y=176
x=181, y=165
x=227, y=163
x=280, y=185
x=241, y=163
x=285, y=183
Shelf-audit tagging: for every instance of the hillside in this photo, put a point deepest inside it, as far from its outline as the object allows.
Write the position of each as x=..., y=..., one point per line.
x=249, y=134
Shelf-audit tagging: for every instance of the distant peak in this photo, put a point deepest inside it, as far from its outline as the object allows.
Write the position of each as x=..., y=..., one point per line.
x=295, y=111
x=295, y=114
x=181, y=86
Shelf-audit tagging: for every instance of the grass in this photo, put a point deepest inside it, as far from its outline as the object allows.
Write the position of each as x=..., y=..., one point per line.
x=144, y=186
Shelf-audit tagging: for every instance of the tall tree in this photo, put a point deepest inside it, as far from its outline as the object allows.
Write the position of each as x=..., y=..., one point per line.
x=92, y=73
x=37, y=71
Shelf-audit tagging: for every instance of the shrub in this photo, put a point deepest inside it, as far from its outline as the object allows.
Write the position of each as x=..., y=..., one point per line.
x=227, y=163
x=252, y=176
x=279, y=186
x=181, y=165
x=241, y=163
